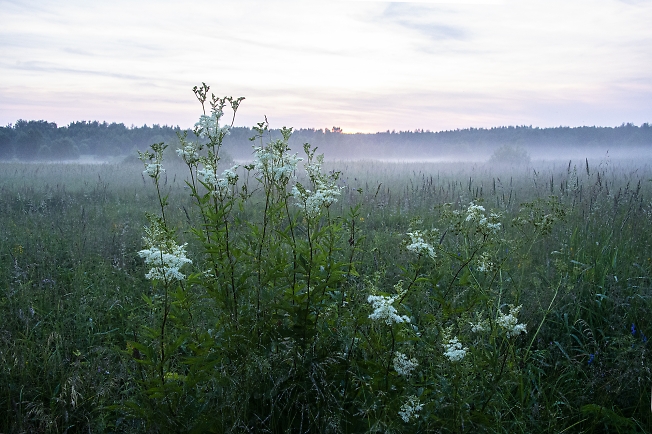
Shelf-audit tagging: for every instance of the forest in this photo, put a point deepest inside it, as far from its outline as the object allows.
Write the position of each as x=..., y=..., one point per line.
x=42, y=140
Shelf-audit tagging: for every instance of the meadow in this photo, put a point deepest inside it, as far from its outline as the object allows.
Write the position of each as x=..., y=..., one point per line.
x=412, y=297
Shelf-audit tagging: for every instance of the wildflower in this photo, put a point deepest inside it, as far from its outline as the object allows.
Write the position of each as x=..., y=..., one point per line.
x=410, y=409
x=274, y=163
x=633, y=329
x=484, y=263
x=209, y=126
x=153, y=170
x=454, y=350
x=480, y=326
x=383, y=310
x=312, y=202
x=419, y=246
x=509, y=322
x=474, y=212
x=218, y=186
x=162, y=253
x=591, y=357
x=165, y=264
x=189, y=153
x=404, y=366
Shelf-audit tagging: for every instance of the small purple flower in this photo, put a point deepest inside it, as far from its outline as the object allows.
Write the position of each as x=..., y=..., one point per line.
x=644, y=338
x=591, y=357
x=633, y=329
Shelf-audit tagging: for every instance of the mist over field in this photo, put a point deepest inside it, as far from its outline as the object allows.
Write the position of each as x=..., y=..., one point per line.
x=95, y=141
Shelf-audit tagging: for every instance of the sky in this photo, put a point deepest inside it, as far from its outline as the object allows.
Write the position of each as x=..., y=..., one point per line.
x=364, y=66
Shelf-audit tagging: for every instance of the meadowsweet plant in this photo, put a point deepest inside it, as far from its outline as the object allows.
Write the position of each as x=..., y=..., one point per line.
x=266, y=325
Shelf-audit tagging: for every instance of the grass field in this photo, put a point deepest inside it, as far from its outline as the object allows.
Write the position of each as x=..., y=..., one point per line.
x=89, y=344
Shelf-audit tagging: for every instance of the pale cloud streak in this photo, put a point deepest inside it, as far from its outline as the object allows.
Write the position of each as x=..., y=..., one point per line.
x=361, y=65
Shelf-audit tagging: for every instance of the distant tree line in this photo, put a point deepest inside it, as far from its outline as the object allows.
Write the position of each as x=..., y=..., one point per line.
x=42, y=140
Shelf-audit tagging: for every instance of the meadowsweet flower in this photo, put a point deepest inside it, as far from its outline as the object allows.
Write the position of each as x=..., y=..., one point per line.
x=419, y=246
x=313, y=202
x=189, y=153
x=474, y=212
x=510, y=323
x=454, y=350
x=480, y=326
x=410, y=409
x=209, y=126
x=219, y=186
x=484, y=263
x=383, y=310
x=165, y=264
x=162, y=253
x=273, y=162
x=404, y=366
x=153, y=170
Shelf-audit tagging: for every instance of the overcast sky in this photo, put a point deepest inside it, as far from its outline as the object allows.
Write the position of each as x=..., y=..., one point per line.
x=364, y=66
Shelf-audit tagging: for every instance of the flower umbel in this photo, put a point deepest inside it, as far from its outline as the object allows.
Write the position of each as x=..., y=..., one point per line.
x=510, y=323
x=419, y=246
x=162, y=253
x=404, y=366
x=383, y=310
x=410, y=409
x=454, y=350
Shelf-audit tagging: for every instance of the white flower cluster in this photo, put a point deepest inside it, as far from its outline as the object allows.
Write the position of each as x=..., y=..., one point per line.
x=491, y=222
x=475, y=213
x=189, y=153
x=163, y=255
x=484, y=263
x=209, y=126
x=454, y=350
x=419, y=246
x=510, y=323
x=312, y=202
x=219, y=185
x=383, y=310
x=274, y=163
x=410, y=409
x=325, y=193
x=480, y=326
x=153, y=170
x=404, y=366
x=165, y=264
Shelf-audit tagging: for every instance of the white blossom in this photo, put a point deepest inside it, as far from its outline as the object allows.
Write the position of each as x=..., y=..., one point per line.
x=218, y=185
x=474, y=212
x=410, y=409
x=189, y=153
x=404, y=366
x=383, y=310
x=162, y=253
x=454, y=350
x=209, y=126
x=165, y=263
x=480, y=326
x=510, y=323
x=313, y=202
x=274, y=163
x=153, y=169
x=419, y=246
x=484, y=263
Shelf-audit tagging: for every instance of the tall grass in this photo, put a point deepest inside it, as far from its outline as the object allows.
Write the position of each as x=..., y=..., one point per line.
x=574, y=251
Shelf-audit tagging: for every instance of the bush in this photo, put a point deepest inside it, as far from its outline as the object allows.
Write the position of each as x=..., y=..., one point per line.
x=510, y=155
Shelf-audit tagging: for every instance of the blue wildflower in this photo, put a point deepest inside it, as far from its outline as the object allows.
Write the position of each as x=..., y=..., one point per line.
x=633, y=329
x=591, y=357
